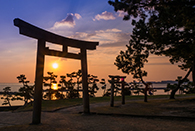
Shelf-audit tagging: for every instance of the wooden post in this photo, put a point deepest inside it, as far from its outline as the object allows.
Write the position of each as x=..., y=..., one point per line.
x=38, y=83
x=86, y=109
x=145, y=94
x=112, y=93
x=123, y=94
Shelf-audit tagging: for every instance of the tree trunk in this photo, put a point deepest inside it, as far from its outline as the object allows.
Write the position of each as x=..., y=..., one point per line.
x=8, y=101
x=123, y=92
x=25, y=102
x=145, y=90
x=112, y=93
x=145, y=95
x=193, y=72
x=172, y=96
x=77, y=85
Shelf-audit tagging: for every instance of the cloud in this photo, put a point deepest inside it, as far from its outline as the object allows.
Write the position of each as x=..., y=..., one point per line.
x=114, y=30
x=112, y=38
x=67, y=22
x=107, y=38
x=121, y=13
x=77, y=16
x=83, y=35
x=105, y=16
x=109, y=16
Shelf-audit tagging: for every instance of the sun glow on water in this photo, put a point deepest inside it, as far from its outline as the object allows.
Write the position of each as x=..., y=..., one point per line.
x=54, y=86
x=53, y=97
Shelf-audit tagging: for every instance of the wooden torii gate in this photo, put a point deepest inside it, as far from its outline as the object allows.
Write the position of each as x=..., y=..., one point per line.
x=44, y=36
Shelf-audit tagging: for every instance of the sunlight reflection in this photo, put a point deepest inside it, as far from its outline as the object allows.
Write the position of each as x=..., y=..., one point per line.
x=53, y=97
x=54, y=86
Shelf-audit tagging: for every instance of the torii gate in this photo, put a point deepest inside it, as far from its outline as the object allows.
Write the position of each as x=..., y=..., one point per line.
x=42, y=36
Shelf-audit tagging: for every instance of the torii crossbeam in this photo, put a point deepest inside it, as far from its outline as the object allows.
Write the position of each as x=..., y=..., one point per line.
x=44, y=36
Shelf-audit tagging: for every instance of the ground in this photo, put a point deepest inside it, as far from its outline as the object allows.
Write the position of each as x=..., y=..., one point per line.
x=156, y=114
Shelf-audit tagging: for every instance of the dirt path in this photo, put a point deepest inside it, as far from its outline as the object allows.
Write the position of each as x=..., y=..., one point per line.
x=69, y=119
x=61, y=121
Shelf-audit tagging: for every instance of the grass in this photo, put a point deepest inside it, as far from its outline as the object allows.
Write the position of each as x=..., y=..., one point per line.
x=182, y=106
x=52, y=105
x=59, y=104
x=134, y=108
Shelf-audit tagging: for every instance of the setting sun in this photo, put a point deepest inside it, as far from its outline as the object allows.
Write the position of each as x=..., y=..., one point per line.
x=55, y=65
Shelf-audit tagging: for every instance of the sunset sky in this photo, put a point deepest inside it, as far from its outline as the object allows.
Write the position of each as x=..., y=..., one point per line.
x=79, y=19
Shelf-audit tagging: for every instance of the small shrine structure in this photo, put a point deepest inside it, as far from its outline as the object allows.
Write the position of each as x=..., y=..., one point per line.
x=117, y=80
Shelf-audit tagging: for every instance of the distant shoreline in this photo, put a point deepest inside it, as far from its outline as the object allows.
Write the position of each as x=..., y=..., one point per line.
x=163, y=82
x=154, y=82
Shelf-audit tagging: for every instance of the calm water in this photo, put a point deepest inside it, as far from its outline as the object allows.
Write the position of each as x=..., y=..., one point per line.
x=16, y=86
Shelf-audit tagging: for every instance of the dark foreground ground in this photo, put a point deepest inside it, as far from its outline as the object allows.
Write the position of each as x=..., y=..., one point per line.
x=133, y=116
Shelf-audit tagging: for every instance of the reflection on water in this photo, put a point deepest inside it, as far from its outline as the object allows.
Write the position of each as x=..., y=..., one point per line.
x=54, y=86
x=53, y=97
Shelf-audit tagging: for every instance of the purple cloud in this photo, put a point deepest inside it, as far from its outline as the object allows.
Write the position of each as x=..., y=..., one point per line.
x=105, y=16
x=121, y=13
x=68, y=21
x=107, y=38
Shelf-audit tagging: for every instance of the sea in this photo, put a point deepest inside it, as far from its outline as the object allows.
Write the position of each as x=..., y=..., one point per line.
x=16, y=86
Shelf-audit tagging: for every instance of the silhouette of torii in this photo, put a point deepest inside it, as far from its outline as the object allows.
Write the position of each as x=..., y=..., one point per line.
x=44, y=36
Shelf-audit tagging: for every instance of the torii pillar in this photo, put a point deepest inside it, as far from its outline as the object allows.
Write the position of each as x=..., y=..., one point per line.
x=44, y=36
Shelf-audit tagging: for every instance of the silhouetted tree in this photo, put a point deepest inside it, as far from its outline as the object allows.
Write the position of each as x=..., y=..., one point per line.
x=78, y=79
x=188, y=88
x=52, y=80
x=170, y=30
x=127, y=88
x=63, y=84
x=69, y=85
x=135, y=86
x=27, y=92
x=103, y=83
x=74, y=81
x=133, y=59
x=73, y=93
x=127, y=91
x=92, y=80
x=180, y=82
x=7, y=96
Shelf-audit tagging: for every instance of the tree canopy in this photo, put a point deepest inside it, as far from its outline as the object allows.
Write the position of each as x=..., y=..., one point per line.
x=165, y=27
x=170, y=27
x=132, y=60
